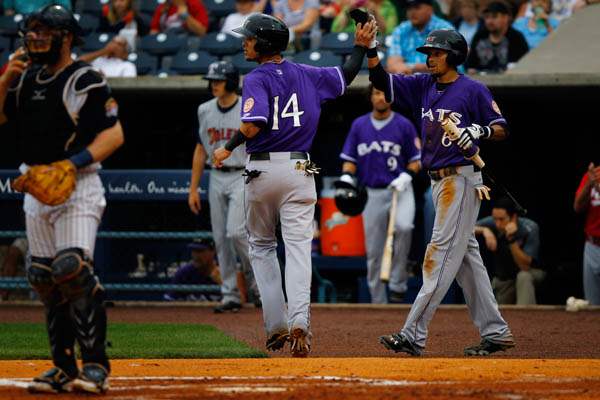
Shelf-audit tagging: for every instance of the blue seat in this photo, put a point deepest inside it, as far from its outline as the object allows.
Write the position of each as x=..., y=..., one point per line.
x=340, y=43
x=219, y=8
x=93, y=7
x=89, y=23
x=239, y=60
x=144, y=63
x=4, y=44
x=192, y=62
x=219, y=44
x=9, y=25
x=318, y=58
x=96, y=41
x=4, y=57
x=162, y=44
x=149, y=6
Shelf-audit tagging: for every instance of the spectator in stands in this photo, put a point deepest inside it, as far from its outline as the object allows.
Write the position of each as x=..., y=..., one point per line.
x=410, y=34
x=539, y=25
x=111, y=60
x=514, y=244
x=328, y=10
x=234, y=20
x=12, y=261
x=302, y=18
x=12, y=7
x=468, y=22
x=498, y=46
x=119, y=17
x=201, y=270
x=587, y=200
x=383, y=11
x=560, y=10
x=180, y=16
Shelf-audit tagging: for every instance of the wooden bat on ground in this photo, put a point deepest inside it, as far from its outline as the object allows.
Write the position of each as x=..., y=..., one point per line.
x=388, y=249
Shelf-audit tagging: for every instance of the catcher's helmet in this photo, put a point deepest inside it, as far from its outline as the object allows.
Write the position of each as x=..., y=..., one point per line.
x=56, y=17
x=449, y=40
x=224, y=71
x=351, y=201
x=272, y=35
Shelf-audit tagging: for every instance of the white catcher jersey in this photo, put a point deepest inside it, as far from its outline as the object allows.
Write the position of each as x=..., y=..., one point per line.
x=217, y=127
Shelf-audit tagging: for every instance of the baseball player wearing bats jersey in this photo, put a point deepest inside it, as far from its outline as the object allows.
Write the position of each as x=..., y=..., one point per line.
x=64, y=112
x=218, y=120
x=457, y=188
x=383, y=150
x=280, y=112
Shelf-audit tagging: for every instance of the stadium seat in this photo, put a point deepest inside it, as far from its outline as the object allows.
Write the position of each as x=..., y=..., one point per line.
x=9, y=25
x=161, y=44
x=239, y=60
x=88, y=23
x=149, y=6
x=339, y=43
x=4, y=44
x=191, y=62
x=318, y=58
x=144, y=63
x=93, y=7
x=219, y=44
x=382, y=57
x=4, y=57
x=96, y=41
x=220, y=8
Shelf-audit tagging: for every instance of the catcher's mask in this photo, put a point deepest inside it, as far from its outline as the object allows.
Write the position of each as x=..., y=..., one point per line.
x=43, y=33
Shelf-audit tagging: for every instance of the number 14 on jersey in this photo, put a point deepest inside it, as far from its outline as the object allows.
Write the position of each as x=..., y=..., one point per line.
x=294, y=113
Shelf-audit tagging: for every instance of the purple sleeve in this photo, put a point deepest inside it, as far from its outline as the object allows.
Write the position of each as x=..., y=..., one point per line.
x=488, y=112
x=411, y=151
x=349, y=150
x=405, y=91
x=330, y=83
x=255, y=100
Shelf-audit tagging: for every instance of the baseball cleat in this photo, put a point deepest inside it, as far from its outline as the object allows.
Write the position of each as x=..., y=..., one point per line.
x=487, y=347
x=230, y=306
x=277, y=341
x=398, y=343
x=93, y=378
x=54, y=380
x=300, y=343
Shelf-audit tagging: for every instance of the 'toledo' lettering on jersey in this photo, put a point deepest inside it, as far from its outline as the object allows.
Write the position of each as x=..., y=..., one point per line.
x=218, y=134
x=439, y=115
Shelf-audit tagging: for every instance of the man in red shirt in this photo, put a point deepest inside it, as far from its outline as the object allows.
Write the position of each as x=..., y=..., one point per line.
x=587, y=199
x=180, y=15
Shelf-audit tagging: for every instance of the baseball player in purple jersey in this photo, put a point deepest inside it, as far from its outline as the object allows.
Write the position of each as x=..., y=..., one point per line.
x=457, y=188
x=280, y=113
x=383, y=152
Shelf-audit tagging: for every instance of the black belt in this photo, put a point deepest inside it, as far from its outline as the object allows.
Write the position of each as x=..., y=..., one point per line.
x=229, y=169
x=294, y=155
x=442, y=173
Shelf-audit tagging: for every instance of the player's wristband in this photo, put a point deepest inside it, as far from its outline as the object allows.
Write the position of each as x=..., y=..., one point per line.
x=488, y=132
x=237, y=139
x=82, y=159
x=372, y=52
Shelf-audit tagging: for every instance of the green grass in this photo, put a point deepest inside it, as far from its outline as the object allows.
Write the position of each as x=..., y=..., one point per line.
x=21, y=341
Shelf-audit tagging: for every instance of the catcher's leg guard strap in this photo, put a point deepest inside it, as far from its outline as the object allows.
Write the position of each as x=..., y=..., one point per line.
x=74, y=276
x=61, y=333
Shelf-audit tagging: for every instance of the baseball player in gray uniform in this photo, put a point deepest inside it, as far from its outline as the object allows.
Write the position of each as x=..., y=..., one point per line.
x=281, y=108
x=218, y=120
x=382, y=152
x=64, y=114
x=457, y=188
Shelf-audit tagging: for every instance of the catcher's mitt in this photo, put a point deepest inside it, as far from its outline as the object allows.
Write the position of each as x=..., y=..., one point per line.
x=50, y=184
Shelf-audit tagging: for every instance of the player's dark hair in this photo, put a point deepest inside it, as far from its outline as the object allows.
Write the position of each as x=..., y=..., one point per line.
x=506, y=204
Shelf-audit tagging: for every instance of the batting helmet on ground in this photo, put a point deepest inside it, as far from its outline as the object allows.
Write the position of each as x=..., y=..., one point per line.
x=449, y=40
x=224, y=71
x=272, y=35
x=350, y=197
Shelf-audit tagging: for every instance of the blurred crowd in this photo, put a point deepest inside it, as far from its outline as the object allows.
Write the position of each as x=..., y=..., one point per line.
x=127, y=38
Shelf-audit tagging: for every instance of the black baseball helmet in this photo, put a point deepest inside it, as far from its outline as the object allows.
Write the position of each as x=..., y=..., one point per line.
x=224, y=71
x=351, y=200
x=272, y=35
x=56, y=17
x=449, y=40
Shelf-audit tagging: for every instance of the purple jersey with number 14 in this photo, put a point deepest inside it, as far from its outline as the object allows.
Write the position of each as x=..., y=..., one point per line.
x=286, y=98
x=465, y=102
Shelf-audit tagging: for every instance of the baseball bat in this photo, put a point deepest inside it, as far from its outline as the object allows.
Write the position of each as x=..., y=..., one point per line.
x=454, y=133
x=388, y=249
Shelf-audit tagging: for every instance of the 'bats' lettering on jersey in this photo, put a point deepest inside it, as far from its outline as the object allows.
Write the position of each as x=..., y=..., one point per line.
x=290, y=112
x=465, y=101
x=381, y=154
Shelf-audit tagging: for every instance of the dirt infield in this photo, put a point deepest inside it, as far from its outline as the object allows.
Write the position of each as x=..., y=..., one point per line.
x=557, y=357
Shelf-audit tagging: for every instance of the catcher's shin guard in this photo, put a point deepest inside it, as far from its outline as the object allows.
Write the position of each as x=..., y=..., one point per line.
x=76, y=281
x=61, y=332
